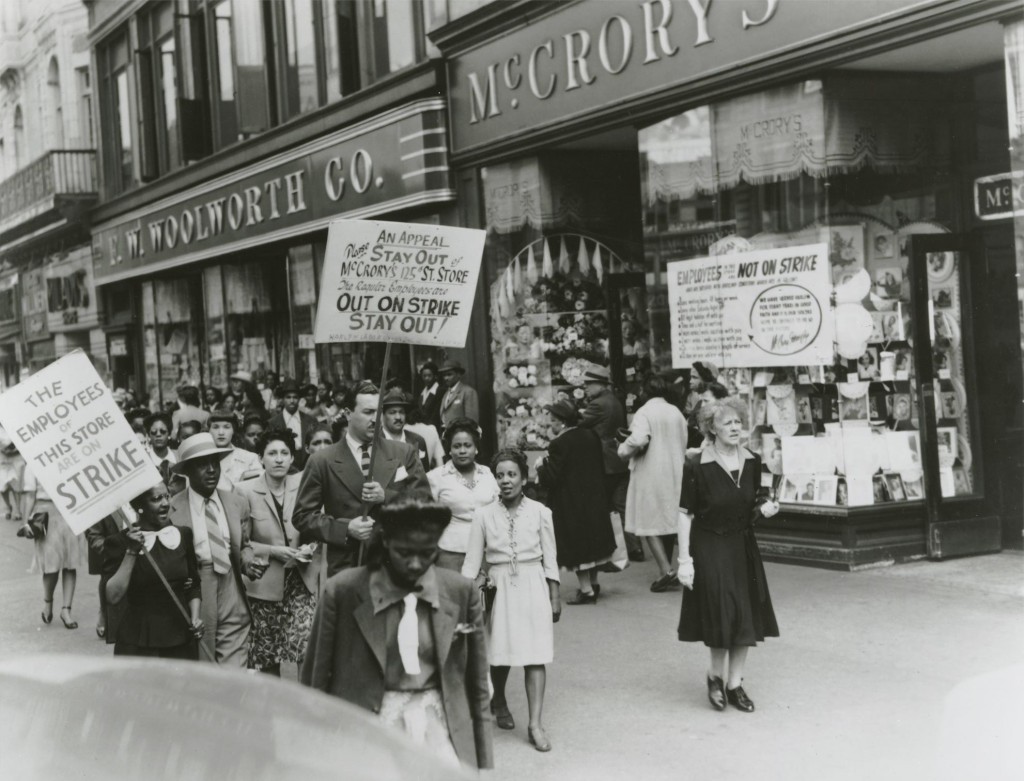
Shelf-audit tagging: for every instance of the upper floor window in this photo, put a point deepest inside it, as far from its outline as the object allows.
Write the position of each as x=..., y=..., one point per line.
x=19, y=137
x=157, y=67
x=204, y=74
x=56, y=109
x=116, y=115
x=85, y=134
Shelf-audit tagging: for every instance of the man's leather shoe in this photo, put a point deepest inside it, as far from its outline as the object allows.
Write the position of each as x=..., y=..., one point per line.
x=637, y=554
x=739, y=699
x=716, y=692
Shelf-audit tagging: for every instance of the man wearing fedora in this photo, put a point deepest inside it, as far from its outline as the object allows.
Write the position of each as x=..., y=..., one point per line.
x=605, y=415
x=338, y=485
x=220, y=524
x=459, y=400
x=293, y=419
x=394, y=408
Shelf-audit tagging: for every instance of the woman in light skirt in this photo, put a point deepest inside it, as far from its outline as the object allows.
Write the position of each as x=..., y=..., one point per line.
x=516, y=536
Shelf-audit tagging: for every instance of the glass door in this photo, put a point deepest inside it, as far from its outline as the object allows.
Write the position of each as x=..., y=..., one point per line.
x=952, y=447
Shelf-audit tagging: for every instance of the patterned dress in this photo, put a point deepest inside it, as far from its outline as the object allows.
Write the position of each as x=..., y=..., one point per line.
x=280, y=630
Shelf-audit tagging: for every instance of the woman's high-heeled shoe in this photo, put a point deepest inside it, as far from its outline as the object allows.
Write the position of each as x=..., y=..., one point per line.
x=503, y=716
x=69, y=623
x=538, y=739
x=47, y=618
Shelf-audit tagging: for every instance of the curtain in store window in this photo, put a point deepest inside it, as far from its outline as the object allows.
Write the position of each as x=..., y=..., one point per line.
x=849, y=122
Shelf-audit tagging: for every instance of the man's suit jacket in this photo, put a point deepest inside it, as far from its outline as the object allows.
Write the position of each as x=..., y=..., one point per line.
x=415, y=441
x=267, y=530
x=236, y=509
x=605, y=415
x=238, y=466
x=306, y=422
x=330, y=491
x=462, y=402
x=430, y=408
x=347, y=654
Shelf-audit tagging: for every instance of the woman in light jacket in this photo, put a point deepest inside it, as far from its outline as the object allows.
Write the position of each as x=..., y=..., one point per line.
x=284, y=599
x=656, y=450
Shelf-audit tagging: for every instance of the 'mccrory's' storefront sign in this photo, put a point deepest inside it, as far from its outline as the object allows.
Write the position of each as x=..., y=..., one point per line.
x=590, y=56
x=394, y=161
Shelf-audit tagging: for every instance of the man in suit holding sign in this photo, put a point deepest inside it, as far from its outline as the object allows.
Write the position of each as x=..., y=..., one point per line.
x=338, y=485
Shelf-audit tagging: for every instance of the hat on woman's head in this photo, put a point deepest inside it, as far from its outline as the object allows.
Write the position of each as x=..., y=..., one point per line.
x=564, y=411
x=197, y=446
x=244, y=376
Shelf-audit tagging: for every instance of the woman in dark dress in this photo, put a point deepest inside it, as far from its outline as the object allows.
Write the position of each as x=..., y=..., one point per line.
x=573, y=473
x=726, y=604
x=151, y=624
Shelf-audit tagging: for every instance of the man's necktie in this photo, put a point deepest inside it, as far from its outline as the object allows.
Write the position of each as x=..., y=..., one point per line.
x=218, y=548
x=364, y=460
x=409, y=636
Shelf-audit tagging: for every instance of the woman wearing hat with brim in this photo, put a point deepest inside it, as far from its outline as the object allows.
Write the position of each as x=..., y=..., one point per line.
x=573, y=473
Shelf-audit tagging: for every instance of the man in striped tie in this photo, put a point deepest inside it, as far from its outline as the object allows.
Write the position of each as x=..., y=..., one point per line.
x=221, y=527
x=338, y=486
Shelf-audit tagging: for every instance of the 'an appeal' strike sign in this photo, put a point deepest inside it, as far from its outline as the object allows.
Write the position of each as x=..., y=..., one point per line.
x=75, y=440
x=763, y=308
x=398, y=282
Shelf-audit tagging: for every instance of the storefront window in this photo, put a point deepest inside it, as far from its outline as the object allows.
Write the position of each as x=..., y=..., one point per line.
x=302, y=287
x=257, y=329
x=562, y=265
x=150, y=355
x=179, y=331
x=216, y=343
x=834, y=162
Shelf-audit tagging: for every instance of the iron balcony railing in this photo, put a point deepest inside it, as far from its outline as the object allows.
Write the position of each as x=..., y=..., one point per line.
x=59, y=172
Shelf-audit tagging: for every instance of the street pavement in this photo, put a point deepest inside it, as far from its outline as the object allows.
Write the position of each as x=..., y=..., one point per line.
x=855, y=687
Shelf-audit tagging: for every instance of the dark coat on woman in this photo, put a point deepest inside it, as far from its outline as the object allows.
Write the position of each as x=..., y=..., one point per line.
x=573, y=473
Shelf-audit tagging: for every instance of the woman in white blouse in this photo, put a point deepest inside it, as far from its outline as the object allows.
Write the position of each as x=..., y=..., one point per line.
x=517, y=537
x=463, y=486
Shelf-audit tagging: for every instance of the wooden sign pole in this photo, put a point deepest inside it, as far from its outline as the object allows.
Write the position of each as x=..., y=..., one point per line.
x=377, y=437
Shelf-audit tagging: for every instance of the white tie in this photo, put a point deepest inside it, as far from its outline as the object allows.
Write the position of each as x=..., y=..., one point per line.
x=409, y=636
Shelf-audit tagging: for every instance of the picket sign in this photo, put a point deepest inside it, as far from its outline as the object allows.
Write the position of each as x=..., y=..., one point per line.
x=391, y=282
x=76, y=442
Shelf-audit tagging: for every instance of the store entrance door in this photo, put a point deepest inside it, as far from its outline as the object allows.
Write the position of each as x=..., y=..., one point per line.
x=961, y=518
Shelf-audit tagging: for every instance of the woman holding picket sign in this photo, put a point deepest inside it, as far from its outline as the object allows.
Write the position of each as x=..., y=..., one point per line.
x=153, y=625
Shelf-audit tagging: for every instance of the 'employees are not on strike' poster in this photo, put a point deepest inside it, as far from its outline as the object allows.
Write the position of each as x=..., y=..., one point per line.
x=75, y=440
x=763, y=308
x=398, y=282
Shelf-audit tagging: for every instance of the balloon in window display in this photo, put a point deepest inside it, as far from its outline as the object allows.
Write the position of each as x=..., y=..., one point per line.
x=853, y=330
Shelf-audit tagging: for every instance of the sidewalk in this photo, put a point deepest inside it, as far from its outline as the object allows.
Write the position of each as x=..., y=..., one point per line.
x=854, y=688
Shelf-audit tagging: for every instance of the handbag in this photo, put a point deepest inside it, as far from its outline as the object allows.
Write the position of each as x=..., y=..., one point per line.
x=36, y=526
x=487, y=593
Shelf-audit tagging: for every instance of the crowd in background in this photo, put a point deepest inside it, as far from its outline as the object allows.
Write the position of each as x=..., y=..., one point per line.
x=268, y=491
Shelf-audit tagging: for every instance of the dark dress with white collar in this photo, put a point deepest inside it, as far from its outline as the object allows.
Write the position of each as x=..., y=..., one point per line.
x=729, y=604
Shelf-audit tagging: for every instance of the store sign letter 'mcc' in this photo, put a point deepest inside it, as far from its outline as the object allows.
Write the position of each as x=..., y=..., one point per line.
x=604, y=55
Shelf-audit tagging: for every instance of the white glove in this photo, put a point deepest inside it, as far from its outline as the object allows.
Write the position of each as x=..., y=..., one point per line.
x=769, y=508
x=685, y=572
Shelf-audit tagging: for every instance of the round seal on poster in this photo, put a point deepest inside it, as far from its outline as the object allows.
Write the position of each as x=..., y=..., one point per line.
x=785, y=319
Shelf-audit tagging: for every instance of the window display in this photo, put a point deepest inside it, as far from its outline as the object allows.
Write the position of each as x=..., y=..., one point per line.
x=845, y=431
x=953, y=429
